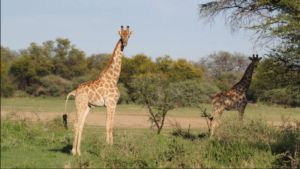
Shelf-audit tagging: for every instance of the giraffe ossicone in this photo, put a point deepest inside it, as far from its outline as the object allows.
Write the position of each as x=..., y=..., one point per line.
x=102, y=91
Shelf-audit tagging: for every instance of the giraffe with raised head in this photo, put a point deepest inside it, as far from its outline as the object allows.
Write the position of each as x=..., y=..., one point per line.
x=100, y=92
x=234, y=98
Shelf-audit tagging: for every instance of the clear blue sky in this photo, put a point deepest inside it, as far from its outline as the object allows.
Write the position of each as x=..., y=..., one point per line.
x=161, y=27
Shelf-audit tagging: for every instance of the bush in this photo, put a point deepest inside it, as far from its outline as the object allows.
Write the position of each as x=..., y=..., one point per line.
x=124, y=96
x=277, y=96
x=53, y=85
x=194, y=92
x=287, y=147
x=20, y=93
x=81, y=79
x=7, y=90
x=208, y=89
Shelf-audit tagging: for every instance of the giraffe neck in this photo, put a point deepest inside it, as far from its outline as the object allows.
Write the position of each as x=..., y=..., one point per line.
x=244, y=84
x=113, y=69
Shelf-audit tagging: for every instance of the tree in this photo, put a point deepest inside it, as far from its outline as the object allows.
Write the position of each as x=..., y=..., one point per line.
x=225, y=68
x=273, y=83
x=32, y=64
x=218, y=63
x=178, y=70
x=271, y=19
x=61, y=51
x=76, y=63
x=152, y=90
x=96, y=63
x=7, y=57
x=160, y=95
x=137, y=65
x=53, y=85
x=24, y=72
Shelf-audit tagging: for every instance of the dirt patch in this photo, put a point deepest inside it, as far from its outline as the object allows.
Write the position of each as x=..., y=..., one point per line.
x=98, y=119
x=121, y=120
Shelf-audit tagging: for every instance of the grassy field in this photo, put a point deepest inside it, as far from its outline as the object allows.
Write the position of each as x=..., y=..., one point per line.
x=40, y=105
x=249, y=145
x=253, y=144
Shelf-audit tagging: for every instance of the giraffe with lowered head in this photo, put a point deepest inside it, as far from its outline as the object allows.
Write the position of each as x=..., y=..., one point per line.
x=100, y=92
x=234, y=98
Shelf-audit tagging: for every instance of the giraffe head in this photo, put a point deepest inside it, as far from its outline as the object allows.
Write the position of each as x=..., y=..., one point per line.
x=125, y=34
x=255, y=59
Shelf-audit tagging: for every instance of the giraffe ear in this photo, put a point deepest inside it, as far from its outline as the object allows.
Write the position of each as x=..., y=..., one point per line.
x=119, y=33
x=250, y=58
x=130, y=33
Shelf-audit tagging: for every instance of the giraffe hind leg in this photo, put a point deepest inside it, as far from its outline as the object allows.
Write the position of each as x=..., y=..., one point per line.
x=80, y=128
x=74, y=152
x=215, y=121
x=82, y=110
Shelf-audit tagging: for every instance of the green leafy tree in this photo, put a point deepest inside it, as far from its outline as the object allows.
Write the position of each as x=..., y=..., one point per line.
x=270, y=19
x=160, y=95
x=7, y=86
x=76, y=63
x=24, y=72
x=153, y=91
x=61, y=50
x=96, y=63
x=137, y=65
x=124, y=96
x=42, y=62
x=178, y=70
x=273, y=83
x=33, y=63
x=53, y=85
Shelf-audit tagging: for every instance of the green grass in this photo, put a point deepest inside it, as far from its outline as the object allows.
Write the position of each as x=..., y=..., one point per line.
x=46, y=145
x=40, y=105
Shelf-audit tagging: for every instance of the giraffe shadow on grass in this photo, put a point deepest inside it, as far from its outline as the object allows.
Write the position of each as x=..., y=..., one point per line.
x=66, y=149
x=185, y=134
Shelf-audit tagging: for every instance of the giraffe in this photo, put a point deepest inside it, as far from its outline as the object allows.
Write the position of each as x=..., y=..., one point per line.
x=100, y=92
x=234, y=98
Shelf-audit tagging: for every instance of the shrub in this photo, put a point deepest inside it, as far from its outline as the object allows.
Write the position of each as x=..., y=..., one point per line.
x=287, y=147
x=277, y=96
x=81, y=79
x=53, y=85
x=20, y=93
x=124, y=96
x=7, y=90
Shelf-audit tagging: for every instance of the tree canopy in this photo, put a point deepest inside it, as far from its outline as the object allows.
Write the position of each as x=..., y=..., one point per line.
x=270, y=19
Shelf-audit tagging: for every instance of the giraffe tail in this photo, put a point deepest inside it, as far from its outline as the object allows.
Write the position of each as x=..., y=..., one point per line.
x=65, y=115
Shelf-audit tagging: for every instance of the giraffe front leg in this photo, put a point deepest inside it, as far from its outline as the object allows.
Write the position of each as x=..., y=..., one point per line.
x=113, y=109
x=241, y=110
x=109, y=122
x=108, y=118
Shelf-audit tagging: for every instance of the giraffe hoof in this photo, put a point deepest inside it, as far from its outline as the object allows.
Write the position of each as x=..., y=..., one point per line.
x=73, y=152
